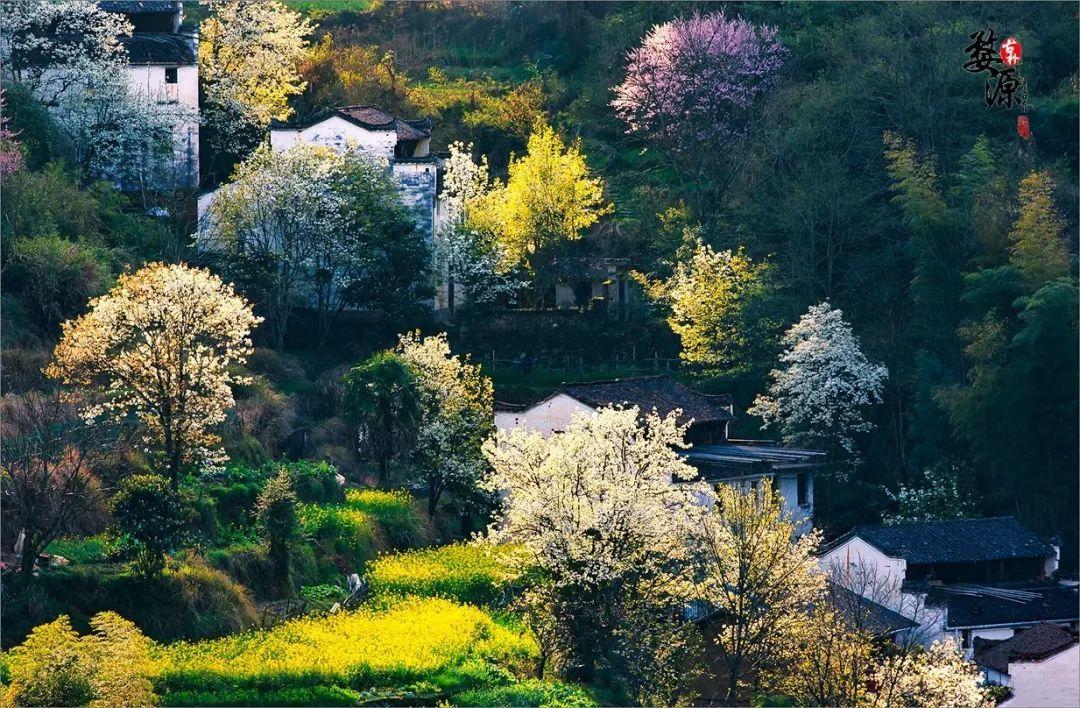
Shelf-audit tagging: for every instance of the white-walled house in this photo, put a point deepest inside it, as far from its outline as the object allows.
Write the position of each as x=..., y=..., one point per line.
x=403, y=146
x=1040, y=664
x=163, y=65
x=720, y=460
x=963, y=579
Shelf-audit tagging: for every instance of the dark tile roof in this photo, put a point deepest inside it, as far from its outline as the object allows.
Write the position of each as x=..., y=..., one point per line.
x=159, y=48
x=955, y=541
x=1007, y=604
x=727, y=460
x=1032, y=644
x=652, y=392
x=370, y=117
x=137, y=7
x=864, y=613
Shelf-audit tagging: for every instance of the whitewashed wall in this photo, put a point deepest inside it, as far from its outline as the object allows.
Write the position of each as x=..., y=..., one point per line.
x=149, y=80
x=1050, y=682
x=551, y=415
x=336, y=132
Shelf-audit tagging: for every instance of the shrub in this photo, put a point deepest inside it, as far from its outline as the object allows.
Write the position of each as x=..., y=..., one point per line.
x=395, y=513
x=193, y=601
x=153, y=516
x=400, y=644
x=275, y=512
x=55, y=666
x=315, y=482
x=49, y=668
x=341, y=531
x=55, y=277
x=531, y=692
x=234, y=502
x=463, y=572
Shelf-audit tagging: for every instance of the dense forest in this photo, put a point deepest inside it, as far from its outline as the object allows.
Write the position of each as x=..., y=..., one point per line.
x=251, y=464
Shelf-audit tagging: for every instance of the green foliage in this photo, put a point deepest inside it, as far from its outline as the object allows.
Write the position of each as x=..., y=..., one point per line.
x=99, y=548
x=49, y=668
x=531, y=692
x=382, y=400
x=347, y=536
x=153, y=517
x=471, y=573
x=42, y=140
x=55, y=278
x=276, y=515
x=394, y=512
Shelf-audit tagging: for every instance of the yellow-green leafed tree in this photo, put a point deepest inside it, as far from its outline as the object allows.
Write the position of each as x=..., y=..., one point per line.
x=550, y=197
x=109, y=667
x=763, y=578
x=249, y=64
x=708, y=297
x=1038, y=248
x=162, y=346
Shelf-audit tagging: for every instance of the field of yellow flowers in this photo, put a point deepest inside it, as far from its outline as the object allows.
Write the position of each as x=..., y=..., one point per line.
x=429, y=645
x=475, y=573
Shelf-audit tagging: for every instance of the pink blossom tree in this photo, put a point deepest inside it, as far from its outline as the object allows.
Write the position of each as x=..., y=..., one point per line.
x=11, y=157
x=690, y=83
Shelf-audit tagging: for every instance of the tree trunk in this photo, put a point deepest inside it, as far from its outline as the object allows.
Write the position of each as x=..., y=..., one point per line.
x=450, y=297
x=29, y=555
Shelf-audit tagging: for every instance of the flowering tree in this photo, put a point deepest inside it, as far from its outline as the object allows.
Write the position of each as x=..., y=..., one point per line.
x=690, y=82
x=249, y=62
x=456, y=404
x=939, y=497
x=550, y=198
x=710, y=295
x=763, y=578
x=595, y=508
x=316, y=226
x=11, y=156
x=51, y=46
x=466, y=254
x=820, y=394
x=162, y=346
x=69, y=56
x=938, y=676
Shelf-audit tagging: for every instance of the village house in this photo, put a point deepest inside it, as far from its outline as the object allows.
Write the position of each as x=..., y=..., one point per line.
x=1040, y=664
x=163, y=65
x=719, y=459
x=961, y=579
x=404, y=146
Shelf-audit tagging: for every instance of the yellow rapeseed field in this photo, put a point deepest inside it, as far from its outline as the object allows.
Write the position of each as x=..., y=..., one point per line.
x=410, y=640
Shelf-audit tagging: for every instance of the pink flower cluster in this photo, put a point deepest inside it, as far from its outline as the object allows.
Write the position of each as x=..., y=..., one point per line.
x=11, y=158
x=692, y=77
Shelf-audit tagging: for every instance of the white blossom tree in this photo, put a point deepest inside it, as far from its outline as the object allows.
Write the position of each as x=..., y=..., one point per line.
x=465, y=255
x=162, y=347
x=826, y=383
x=940, y=496
x=312, y=225
x=596, y=510
x=457, y=415
x=69, y=55
x=938, y=676
x=51, y=46
x=249, y=63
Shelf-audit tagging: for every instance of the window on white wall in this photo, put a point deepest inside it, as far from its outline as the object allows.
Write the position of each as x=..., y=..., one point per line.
x=171, y=75
x=803, y=482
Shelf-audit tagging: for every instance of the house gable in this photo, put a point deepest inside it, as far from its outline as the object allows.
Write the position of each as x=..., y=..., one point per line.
x=338, y=132
x=550, y=415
